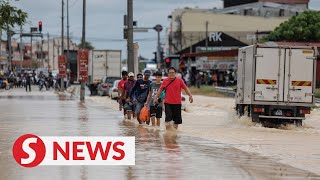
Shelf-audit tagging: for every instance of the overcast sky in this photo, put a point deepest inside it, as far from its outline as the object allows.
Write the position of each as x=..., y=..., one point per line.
x=105, y=19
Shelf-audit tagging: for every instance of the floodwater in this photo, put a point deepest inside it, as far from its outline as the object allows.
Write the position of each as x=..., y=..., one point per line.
x=160, y=154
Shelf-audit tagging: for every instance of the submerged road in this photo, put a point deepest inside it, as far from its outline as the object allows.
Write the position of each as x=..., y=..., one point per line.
x=160, y=154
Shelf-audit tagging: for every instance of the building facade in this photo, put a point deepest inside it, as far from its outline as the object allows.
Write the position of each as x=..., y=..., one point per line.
x=189, y=27
x=38, y=54
x=298, y=3
x=263, y=9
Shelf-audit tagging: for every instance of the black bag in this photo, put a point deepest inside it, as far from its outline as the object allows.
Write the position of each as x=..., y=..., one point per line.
x=142, y=97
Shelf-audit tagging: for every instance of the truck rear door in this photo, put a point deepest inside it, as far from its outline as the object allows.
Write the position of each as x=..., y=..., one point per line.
x=299, y=75
x=99, y=66
x=114, y=63
x=269, y=74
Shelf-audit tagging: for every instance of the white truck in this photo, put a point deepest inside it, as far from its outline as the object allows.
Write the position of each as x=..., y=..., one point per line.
x=276, y=84
x=102, y=64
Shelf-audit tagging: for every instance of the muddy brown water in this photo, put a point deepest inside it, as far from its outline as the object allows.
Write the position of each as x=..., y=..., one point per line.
x=160, y=154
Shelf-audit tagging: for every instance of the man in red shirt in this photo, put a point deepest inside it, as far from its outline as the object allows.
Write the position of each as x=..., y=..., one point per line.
x=173, y=86
x=121, y=99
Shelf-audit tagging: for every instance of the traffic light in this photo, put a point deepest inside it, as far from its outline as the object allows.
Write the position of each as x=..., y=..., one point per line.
x=168, y=62
x=155, y=57
x=161, y=56
x=40, y=26
x=125, y=33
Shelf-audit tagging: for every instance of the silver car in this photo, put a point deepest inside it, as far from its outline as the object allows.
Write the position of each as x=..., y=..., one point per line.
x=113, y=91
x=107, y=83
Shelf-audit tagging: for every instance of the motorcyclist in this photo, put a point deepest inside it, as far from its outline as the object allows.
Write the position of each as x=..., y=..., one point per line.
x=42, y=81
x=50, y=80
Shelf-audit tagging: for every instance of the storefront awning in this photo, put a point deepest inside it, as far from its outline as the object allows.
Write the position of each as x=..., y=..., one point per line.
x=226, y=53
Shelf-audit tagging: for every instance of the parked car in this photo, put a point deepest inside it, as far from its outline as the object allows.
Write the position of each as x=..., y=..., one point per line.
x=113, y=91
x=105, y=85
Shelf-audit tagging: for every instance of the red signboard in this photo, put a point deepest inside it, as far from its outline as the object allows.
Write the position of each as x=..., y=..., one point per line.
x=83, y=55
x=62, y=66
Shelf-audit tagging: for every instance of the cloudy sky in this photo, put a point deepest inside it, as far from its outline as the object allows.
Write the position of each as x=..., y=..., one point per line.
x=105, y=19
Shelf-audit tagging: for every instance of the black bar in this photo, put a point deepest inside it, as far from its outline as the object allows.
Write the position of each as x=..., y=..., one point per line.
x=31, y=35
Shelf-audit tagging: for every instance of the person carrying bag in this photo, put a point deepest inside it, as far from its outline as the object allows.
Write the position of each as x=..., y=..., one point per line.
x=163, y=93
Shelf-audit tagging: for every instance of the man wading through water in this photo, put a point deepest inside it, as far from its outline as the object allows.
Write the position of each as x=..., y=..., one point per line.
x=121, y=99
x=155, y=109
x=129, y=105
x=172, y=100
x=140, y=90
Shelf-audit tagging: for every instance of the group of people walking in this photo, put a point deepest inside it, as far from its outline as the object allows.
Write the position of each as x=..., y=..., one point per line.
x=157, y=96
x=25, y=80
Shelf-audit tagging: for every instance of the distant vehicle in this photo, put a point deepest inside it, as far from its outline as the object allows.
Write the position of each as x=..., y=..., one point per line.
x=105, y=85
x=276, y=84
x=113, y=91
x=102, y=64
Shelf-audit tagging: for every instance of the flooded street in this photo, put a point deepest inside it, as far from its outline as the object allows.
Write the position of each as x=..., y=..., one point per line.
x=204, y=148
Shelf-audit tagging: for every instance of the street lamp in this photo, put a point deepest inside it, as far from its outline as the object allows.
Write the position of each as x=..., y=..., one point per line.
x=158, y=28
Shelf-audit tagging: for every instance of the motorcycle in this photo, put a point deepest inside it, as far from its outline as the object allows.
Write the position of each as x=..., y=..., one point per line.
x=41, y=84
x=4, y=84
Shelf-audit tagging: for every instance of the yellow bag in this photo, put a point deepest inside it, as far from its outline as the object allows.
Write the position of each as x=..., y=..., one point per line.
x=144, y=114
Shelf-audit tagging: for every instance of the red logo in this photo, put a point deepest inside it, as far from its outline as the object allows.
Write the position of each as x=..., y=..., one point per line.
x=29, y=150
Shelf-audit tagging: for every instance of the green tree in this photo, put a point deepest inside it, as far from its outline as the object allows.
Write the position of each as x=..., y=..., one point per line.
x=11, y=16
x=302, y=28
x=87, y=45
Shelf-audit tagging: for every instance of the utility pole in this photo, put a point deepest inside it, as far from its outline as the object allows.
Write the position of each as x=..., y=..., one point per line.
x=41, y=55
x=158, y=28
x=68, y=38
x=0, y=47
x=10, y=49
x=130, y=45
x=21, y=55
x=31, y=48
x=59, y=48
x=62, y=43
x=53, y=56
x=48, y=60
x=82, y=89
x=158, y=50
x=207, y=35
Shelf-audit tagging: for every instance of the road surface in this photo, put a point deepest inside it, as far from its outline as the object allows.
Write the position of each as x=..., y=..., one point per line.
x=160, y=154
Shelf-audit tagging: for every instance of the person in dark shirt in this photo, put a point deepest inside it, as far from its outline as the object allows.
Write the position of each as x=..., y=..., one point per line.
x=128, y=106
x=141, y=91
x=28, y=82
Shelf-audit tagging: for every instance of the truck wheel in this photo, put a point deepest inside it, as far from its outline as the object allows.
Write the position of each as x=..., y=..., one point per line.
x=255, y=117
x=240, y=110
x=298, y=123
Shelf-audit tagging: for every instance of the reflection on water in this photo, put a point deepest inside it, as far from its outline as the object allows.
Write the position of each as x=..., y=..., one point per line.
x=160, y=154
x=84, y=173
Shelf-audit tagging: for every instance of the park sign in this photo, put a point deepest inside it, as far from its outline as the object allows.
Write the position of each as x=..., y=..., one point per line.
x=62, y=66
x=83, y=56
